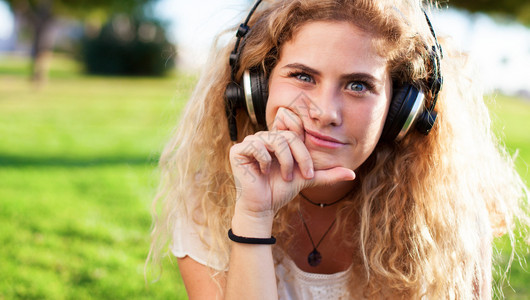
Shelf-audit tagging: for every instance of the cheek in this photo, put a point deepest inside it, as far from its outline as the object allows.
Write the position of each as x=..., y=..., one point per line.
x=379, y=113
x=270, y=110
x=373, y=117
x=280, y=95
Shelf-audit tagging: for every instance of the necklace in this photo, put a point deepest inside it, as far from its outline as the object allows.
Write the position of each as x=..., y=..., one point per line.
x=322, y=205
x=315, y=258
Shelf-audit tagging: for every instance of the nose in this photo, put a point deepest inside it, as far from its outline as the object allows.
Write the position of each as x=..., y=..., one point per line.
x=326, y=106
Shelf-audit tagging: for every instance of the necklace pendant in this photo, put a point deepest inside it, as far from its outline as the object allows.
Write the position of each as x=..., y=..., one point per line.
x=314, y=258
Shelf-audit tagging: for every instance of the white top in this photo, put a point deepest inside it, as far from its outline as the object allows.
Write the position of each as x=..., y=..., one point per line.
x=293, y=283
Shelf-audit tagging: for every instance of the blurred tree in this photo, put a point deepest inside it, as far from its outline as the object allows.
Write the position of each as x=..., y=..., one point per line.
x=41, y=14
x=519, y=9
x=129, y=46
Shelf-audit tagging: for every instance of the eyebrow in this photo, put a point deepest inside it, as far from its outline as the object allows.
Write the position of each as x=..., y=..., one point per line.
x=356, y=76
x=302, y=68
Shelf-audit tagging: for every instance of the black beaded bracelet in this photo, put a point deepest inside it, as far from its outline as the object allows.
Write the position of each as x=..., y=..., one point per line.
x=253, y=241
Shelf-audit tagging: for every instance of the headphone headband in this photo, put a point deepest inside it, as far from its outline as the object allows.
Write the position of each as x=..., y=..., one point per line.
x=436, y=55
x=241, y=33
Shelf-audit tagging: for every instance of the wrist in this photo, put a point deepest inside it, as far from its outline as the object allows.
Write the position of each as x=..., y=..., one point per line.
x=250, y=241
x=251, y=223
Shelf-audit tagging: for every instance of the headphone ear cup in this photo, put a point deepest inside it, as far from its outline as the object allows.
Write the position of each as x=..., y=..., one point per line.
x=260, y=94
x=234, y=98
x=234, y=95
x=406, y=101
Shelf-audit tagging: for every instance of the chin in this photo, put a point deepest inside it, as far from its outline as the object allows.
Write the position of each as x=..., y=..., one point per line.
x=324, y=161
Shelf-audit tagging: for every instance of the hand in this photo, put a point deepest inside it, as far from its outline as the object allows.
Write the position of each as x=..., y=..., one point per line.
x=271, y=167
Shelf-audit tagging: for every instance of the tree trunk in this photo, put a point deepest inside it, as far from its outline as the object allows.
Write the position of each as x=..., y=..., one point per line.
x=42, y=22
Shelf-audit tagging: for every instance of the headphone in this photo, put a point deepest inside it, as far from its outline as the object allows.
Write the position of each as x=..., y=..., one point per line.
x=407, y=106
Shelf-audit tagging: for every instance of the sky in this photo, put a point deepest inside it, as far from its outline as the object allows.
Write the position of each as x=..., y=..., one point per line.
x=195, y=26
x=501, y=51
x=6, y=21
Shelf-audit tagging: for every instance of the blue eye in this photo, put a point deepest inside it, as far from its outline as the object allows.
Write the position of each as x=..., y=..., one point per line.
x=303, y=77
x=356, y=86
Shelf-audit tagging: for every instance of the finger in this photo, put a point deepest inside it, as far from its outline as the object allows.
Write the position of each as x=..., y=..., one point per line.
x=277, y=143
x=251, y=150
x=331, y=176
x=297, y=150
x=286, y=119
x=301, y=154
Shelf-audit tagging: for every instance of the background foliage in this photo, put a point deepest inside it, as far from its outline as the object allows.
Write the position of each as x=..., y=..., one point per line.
x=129, y=46
x=518, y=9
x=40, y=16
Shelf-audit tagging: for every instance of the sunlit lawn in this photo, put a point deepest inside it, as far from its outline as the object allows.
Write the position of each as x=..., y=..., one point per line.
x=77, y=161
x=78, y=172
x=511, y=117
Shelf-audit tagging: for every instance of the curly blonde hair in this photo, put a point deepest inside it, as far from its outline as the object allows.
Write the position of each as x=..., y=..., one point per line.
x=428, y=206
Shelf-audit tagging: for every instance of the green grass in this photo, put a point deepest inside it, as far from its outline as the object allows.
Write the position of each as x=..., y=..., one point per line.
x=511, y=119
x=78, y=173
x=77, y=161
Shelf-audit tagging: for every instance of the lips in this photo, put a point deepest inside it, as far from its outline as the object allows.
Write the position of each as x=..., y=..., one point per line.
x=322, y=140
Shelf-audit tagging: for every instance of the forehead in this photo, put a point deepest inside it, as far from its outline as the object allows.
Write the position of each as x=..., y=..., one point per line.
x=338, y=44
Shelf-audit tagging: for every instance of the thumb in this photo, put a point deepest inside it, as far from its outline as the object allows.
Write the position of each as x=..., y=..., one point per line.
x=331, y=176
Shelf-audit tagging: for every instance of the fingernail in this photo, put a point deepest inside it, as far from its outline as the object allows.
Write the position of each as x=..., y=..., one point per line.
x=310, y=173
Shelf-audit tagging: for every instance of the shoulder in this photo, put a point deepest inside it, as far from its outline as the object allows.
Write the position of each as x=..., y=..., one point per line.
x=201, y=281
x=195, y=236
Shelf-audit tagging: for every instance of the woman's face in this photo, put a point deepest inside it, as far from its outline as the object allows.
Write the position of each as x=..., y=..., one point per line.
x=331, y=77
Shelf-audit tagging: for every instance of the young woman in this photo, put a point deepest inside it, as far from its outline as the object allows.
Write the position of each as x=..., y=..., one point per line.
x=344, y=171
